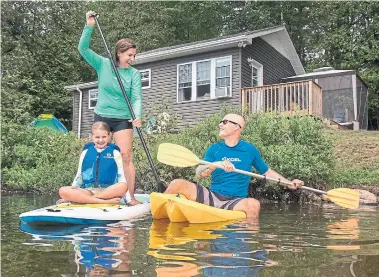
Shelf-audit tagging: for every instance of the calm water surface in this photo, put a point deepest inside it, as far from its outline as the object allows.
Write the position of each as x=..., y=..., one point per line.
x=289, y=241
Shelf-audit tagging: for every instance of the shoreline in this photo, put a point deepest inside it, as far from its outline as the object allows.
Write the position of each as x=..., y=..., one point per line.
x=368, y=195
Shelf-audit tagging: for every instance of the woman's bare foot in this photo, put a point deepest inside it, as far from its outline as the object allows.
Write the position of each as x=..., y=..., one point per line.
x=112, y=201
x=134, y=202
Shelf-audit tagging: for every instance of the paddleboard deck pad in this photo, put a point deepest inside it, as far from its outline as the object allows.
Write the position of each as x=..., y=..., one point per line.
x=179, y=209
x=68, y=213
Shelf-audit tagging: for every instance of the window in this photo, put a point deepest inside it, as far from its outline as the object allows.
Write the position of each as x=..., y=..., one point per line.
x=145, y=78
x=223, y=77
x=203, y=80
x=92, y=98
x=185, y=82
x=206, y=79
x=256, y=73
x=254, y=77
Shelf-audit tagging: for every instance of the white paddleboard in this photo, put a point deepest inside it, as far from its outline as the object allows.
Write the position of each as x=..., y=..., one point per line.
x=68, y=213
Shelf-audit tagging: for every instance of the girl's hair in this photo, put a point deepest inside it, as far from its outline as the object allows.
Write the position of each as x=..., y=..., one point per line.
x=122, y=45
x=100, y=125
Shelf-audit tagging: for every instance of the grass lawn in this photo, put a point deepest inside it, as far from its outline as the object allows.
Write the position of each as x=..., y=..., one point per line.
x=357, y=157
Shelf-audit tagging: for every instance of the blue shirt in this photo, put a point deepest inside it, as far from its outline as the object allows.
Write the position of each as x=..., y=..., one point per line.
x=243, y=156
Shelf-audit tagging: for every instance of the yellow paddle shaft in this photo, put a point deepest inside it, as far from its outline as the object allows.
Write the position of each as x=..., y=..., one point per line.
x=258, y=176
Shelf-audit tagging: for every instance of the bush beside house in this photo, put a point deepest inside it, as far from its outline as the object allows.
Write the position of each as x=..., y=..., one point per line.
x=41, y=160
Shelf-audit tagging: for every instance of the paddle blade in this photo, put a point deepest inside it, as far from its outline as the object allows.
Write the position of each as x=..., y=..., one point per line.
x=176, y=155
x=347, y=198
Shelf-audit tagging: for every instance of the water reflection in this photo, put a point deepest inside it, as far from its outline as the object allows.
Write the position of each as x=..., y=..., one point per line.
x=184, y=249
x=98, y=251
x=346, y=229
x=216, y=249
x=290, y=241
x=104, y=249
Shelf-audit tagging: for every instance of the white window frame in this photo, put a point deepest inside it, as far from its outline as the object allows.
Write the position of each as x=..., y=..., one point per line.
x=194, y=96
x=213, y=79
x=89, y=98
x=193, y=74
x=228, y=93
x=254, y=64
x=143, y=70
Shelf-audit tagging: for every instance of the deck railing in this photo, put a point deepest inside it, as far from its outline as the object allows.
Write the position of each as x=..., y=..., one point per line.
x=303, y=97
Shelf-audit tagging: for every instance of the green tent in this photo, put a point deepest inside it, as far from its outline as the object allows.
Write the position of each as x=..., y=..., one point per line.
x=49, y=120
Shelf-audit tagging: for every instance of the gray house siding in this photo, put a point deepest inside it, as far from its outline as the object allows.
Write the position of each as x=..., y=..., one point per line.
x=75, y=112
x=164, y=87
x=275, y=65
x=87, y=114
x=163, y=84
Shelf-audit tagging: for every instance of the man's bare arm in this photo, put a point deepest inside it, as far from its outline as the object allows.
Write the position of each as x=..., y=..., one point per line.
x=273, y=174
x=203, y=171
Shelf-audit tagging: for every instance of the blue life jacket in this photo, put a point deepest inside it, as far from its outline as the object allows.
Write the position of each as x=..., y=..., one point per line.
x=99, y=169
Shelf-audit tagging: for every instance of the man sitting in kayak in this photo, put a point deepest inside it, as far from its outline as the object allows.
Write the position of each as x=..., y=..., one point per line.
x=100, y=177
x=228, y=189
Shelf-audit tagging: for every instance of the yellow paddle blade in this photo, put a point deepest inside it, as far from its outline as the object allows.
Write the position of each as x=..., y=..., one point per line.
x=176, y=155
x=347, y=198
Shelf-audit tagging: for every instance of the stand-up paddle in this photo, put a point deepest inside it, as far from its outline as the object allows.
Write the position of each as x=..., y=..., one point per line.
x=161, y=187
x=179, y=156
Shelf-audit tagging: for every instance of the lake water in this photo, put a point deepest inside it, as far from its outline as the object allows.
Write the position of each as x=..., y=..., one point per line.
x=289, y=241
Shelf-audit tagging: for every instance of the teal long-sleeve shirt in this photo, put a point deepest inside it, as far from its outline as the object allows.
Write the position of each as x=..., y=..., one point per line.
x=111, y=102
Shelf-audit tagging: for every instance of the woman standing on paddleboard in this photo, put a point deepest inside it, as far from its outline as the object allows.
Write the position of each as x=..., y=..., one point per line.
x=111, y=106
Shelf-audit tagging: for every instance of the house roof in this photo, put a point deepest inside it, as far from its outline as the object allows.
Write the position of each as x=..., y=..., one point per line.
x=326, y=73
x=277, y=37
x=323, y=74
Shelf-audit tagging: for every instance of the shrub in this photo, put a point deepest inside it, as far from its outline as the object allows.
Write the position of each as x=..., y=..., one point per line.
x=296, y=147
x=38, y=159
x=43, y=160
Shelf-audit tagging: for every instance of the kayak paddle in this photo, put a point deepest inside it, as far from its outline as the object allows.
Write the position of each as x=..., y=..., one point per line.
x=179, y=156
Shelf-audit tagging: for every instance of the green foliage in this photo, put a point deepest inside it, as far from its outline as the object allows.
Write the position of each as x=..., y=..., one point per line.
x=296, y=147
x=15, y=105
x=357, y=157
x=38, y=159
x=39, y=57
x=162, y=121
x=39, y=39
x=355, y=177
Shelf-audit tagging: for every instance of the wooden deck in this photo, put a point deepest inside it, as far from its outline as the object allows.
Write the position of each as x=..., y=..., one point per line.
x=303, y=97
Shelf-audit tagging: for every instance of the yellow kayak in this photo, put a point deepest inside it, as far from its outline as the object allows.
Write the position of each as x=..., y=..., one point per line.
x=159, y=203
x=179, y=209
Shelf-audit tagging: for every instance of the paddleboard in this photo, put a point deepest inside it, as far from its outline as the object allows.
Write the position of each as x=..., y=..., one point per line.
x=179, y=209
x=68, y=213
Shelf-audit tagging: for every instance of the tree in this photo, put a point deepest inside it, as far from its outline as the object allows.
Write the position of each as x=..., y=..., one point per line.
x=39, y=39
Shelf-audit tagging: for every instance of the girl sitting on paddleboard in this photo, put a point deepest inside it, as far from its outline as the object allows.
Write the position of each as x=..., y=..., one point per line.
x=100, y=177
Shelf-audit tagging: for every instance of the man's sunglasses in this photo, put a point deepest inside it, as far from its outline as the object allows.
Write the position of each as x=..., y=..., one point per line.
x=225, y=121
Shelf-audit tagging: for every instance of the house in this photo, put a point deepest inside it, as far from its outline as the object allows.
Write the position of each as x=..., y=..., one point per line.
x=197, y=79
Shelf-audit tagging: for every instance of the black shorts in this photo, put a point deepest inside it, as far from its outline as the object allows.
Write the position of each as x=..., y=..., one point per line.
x=210, y=198
x=116, y=124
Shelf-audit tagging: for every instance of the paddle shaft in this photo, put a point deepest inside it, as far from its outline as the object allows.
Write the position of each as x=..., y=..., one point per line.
x=161, y=187
x=274, y=180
